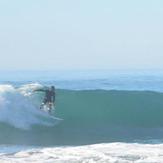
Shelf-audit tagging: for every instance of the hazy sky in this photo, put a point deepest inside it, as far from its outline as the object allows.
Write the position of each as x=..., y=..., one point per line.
x=81, y=34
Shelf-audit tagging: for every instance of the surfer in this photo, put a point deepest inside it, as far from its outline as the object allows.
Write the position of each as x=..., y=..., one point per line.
x=49, y=98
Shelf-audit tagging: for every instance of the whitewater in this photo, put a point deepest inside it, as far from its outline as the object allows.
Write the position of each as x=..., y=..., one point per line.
x=100, y=116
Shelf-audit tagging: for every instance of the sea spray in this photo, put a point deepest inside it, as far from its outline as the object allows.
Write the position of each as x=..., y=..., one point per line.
x=19, y=111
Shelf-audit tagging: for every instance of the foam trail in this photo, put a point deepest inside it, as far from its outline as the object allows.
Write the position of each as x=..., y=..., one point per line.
x=18, y=110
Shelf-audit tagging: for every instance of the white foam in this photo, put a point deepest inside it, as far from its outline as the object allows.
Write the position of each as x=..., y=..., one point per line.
x=27, y=89
x=100, y=153
x=18, y=109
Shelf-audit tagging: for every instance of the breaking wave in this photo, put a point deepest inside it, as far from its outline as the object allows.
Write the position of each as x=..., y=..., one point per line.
x=90, y=116
x=18, y=109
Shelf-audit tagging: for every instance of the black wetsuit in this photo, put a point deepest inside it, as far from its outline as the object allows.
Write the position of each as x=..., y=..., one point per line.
x=49, y=96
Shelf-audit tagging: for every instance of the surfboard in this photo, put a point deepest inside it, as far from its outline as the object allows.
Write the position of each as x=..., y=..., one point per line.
x=51, y=115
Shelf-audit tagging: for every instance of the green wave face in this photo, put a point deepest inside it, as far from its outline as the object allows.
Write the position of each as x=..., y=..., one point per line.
x=95, y=116
x=123, y=108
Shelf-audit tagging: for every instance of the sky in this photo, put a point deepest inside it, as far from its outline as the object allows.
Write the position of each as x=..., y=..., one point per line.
x=81, y=34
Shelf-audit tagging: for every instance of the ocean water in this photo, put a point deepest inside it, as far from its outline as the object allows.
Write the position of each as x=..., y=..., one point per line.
x=100, y=116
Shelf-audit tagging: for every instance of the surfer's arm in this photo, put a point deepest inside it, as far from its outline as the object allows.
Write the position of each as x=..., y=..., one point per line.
x=39, y=90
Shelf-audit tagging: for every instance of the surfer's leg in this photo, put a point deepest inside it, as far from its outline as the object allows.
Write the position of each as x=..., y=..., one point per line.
x=43, y=103
x=50, y=107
